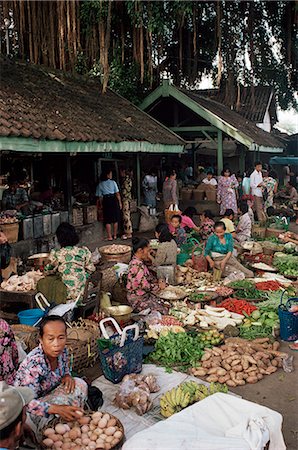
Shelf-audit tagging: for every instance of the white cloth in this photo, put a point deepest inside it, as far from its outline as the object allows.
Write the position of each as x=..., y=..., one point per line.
x=221, y=422
x=255, y=179
x=212, y=182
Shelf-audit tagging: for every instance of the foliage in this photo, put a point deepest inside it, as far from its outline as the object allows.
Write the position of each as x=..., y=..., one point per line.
x=130, y=43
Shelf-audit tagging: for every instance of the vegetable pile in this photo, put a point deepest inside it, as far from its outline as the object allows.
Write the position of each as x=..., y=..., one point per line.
x=286, y=264
x=134, y=392
x=186, y=394
x=238, y=306
x=179, y=349
x=90, y=432
x=260, y=323
x=269, y=285
x=239, y=362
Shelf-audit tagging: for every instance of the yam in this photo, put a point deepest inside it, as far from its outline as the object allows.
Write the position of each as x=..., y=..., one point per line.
x=261, y=340
x=226, y=366
x=212, y=379
x=200, y=372
x=224, y=379
x=262, y=371
x=207, y=364
x=221, y=372
x=206, y=356
x=213, y=370
x=251, y=369
x=235, y=362
x=238, y=368
x=274, y=362
x=217, y=351
x=260, y=376
x=251, y=360
x=245, y=376
x=275, y=345
x=231, y=383
x=252, y=380
x=240, y=382
x=270, y=370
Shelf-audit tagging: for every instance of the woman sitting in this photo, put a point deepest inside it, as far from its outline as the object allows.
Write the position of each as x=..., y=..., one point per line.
x=187, y=220
x=72, y=262
x=166, y=253
x=219, y=252
x=46, y=371
x=142, y=285
x=207, y=225
x=179, y=233
x=228, y=221
x=243, y=230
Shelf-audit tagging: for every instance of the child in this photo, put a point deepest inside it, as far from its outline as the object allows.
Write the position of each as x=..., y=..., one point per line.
x=228, y=221
x=179, y=233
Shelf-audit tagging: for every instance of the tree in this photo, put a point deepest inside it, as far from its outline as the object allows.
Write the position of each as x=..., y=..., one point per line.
x=130, y=43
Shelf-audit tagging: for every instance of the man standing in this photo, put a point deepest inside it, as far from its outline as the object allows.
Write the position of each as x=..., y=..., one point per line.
x=15, y=197
x=256, y=183
x=13, y=403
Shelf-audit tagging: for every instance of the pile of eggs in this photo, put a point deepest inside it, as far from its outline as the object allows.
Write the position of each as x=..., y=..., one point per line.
x=97, y=431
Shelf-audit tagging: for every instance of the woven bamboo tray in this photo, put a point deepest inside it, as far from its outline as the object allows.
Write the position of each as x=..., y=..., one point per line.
x=57, y=420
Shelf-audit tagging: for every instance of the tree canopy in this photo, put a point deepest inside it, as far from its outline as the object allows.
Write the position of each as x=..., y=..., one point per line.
x=132, y=43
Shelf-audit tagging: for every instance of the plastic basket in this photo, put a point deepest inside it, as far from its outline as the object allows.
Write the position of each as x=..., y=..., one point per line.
x=288, y=321
x=30, y=316
x=125, y=354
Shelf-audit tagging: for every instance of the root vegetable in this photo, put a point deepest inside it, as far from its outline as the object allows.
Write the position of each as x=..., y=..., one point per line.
x=231, y=383
x=226, y=366
x=223, y=379
x=221, y=372
x=240, y=382
x=212, y=379
x=274, y=362
x=238, y=368
x=213, y=370
x=271, y=369
x=235, y=362
x=260, y=376
x=252, y=380
x=275, y=345
x=200, y=372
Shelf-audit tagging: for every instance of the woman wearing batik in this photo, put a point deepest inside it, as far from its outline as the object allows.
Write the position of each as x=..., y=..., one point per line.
x=46, y=371
x=226, y=191
x=270, y=186
x=126, y=187
x=73, y=263
x=9, y=358
x=142, y=285
x=244, y=227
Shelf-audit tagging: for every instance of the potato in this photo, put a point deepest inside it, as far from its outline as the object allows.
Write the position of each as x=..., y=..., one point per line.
x=252, y=380
x=270, y=370
x=224, y=379
x=221, y=372
x=100, y=444
x=109, y=439
x=274, y=363
x=93, y=437
x=260, y=376
x=275, y=345
x=58, y=444
x=212, y=379
x=200, y=372
x=84, y=429
x=238, y=368
x=54, y=437
x=231, y=383
x=235, y=362
x=226, y=366
x=240, y=382
x=213, y=370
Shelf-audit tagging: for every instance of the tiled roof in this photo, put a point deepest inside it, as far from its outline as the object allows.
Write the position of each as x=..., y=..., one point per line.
x=44, y=104
x=247, y=127
x=253, y=103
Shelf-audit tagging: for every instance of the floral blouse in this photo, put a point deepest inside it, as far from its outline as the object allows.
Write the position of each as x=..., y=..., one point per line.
x=9, y=358
x=140, y=280
x=126, y=188
x=206, y=229
x=35, y=372
x=74, y=264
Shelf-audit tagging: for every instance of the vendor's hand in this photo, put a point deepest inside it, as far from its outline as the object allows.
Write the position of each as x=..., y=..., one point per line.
x=222, y=265
x=211, y=263
x=69, y=383
x=161, y=284
x=67, y=412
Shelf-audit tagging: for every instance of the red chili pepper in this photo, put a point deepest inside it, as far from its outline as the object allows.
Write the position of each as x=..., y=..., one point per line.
x=238, y=306
x=269, y=285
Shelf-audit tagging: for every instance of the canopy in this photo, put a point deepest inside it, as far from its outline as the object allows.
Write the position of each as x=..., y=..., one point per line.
x=284, y=160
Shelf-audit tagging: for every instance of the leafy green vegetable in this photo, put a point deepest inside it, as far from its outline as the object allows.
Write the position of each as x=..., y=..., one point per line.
x=178, y=349
x=242, y=284
x=286, y=264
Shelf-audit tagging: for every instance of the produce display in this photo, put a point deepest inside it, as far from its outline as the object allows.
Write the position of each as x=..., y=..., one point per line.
x=156, y=330
x=224, y=291
x=134, y=391
x=261, y=322
x=263, y=266
x=181, y=349
x=114, y=249
x=238, y=361
x=286, y=264
x=268, y=285
x=209, y=317
x=238, y=306
x=96, y=431
x=190, y=277
x=22, y=283
x=186, y=394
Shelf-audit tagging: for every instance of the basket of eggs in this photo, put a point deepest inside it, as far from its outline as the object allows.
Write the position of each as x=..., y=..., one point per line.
x=93, y=431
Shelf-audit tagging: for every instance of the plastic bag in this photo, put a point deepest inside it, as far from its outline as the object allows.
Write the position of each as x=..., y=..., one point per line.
x=234, y=276
x=134, y=392
x=95, y=256
x=287, y=364
x=153, y=318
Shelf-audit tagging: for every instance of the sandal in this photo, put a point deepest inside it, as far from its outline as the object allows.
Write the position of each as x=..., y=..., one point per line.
x=124, y=237
x=108, y=239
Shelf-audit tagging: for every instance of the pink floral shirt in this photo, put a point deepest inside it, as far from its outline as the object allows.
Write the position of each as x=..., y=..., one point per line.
x=139, y=279
x=9, y=358
x=35, y=372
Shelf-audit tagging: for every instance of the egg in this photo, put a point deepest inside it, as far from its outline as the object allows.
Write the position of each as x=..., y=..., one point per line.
x=48, y=442
x=58, y=444
x=54, y=437
x=93, y=437
x=118, y=434
x=66, y=446
x=112, y=422
x=85, y=441
x=92, y=446
x=49, y=431
x=106, y=416
x=98, y=431
x=114, y=442
x=102, y=423
x=109, y=439
x=84, y=436
x=100, y=444
x=78, y=441
x=108, y=446
x=110, y=431
x=84, y=429
x=67, y=427
x=84, y=420
x=97, y=414
x=103, y=436
x=60, y=428
x=66, y=435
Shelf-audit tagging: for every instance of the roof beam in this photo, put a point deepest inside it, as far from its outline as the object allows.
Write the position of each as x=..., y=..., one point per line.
x=200, y=129
x=47, y=146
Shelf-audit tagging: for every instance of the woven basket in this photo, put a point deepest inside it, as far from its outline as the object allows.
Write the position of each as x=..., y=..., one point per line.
x=82, y=344
x=272, y=232
x=108, y=255
x=258, y=232
x=109, y=279
x=57, y=420
x=11, y=231
x=27, y=334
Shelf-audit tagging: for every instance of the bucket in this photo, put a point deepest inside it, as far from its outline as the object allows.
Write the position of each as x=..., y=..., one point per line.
x=288, y=321
x=30, y=316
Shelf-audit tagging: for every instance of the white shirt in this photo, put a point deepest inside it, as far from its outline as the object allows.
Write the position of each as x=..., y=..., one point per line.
x=212, y=182
x=255, y=179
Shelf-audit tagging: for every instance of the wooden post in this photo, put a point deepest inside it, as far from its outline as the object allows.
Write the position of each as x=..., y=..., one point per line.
x=68, y=186
x=138, y=179
x=219, y=152
x=242, y=159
